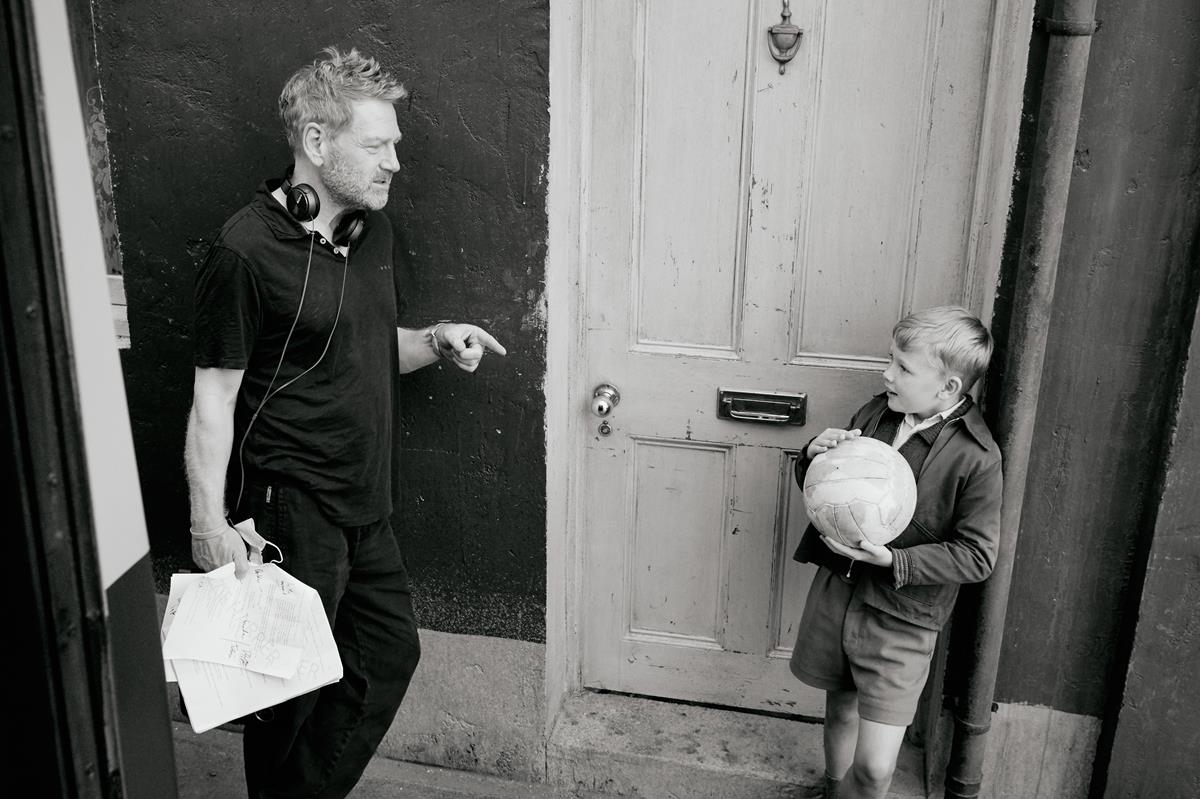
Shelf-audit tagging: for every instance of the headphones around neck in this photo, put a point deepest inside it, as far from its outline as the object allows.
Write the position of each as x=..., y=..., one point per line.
x=304, y=204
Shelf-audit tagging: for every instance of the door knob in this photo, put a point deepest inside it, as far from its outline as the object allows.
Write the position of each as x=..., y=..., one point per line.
x=604, y=399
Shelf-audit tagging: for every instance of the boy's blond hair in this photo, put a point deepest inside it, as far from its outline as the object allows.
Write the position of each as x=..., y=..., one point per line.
x=324, y=90
x=954, y=338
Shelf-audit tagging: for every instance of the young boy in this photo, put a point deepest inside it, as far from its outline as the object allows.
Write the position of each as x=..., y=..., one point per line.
x=873, y=613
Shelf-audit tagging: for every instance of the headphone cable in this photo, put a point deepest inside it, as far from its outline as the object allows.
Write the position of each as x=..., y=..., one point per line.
x=283, y=352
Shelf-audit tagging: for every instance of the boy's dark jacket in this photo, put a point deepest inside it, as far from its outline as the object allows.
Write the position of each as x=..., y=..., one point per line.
x=953, y=536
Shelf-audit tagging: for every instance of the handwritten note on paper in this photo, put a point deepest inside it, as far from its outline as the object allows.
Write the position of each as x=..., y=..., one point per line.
x=251, y=623
x=180, y=583
x=216, y=693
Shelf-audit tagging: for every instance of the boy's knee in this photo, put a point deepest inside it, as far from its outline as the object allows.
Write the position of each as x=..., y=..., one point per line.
x=874, y=772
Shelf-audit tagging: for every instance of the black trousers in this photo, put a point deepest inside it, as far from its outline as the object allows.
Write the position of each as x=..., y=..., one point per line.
x=318, y=744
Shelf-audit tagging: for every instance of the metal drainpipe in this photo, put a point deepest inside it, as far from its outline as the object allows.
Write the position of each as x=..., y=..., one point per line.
x=1070, y=29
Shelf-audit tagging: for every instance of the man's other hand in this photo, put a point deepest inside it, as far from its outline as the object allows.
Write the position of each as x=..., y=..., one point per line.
x=465, y=344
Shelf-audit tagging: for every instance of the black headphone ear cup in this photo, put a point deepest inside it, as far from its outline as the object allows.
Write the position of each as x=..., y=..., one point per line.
x=303, y=202
x=350, y=229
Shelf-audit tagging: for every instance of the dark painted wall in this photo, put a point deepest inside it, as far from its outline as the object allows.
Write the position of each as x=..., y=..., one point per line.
x=190, y=92
x=1123, y=295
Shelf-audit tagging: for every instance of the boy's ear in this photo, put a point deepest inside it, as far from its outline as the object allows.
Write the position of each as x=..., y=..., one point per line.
x=953, y=386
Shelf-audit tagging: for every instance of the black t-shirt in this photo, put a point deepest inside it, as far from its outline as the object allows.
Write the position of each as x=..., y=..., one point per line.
x=329, y=432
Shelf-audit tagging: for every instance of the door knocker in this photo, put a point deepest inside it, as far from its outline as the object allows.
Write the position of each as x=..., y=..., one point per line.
x=784, y=38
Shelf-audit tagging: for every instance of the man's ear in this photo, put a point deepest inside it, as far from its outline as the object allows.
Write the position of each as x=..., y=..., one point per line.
x=313, y=141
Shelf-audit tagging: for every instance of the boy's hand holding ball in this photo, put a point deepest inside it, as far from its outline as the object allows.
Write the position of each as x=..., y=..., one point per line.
x=829, y=439
x=865, y=551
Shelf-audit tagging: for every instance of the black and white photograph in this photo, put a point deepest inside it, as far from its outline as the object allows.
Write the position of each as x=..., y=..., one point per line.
x=575, y=399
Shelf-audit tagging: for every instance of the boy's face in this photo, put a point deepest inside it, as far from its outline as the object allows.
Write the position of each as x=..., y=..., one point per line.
x=916, y=385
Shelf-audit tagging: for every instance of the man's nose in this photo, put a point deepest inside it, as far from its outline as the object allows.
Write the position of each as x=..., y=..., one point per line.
x=391, y=162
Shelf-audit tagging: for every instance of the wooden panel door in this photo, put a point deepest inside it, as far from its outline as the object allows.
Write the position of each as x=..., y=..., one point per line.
x=749, y=229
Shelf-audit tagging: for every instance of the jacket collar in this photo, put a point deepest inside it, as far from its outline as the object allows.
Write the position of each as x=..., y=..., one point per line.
x=281, y=223
x=971, y=421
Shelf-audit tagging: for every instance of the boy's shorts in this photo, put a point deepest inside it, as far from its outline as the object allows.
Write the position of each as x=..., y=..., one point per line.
x=844, y=645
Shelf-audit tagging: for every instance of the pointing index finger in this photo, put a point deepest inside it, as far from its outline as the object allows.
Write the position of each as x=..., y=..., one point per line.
x=489, y=342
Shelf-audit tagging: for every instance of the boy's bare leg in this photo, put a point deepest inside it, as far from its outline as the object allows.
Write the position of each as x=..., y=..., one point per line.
x=841, y=731
x=875, y=757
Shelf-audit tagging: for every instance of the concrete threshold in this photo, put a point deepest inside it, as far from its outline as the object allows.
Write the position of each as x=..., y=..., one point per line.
x=637, y=747
x=209, y=766
x=602, y=745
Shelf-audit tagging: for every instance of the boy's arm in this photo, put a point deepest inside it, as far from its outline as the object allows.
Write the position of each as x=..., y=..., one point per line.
x=970, y=555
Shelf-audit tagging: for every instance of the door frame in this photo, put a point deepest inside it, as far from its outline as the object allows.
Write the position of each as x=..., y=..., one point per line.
x=97, y=707
x=566, y=386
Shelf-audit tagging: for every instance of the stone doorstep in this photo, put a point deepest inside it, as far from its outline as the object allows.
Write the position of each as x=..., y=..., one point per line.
x=210, y=765
x=636, y=747
x=618, y=745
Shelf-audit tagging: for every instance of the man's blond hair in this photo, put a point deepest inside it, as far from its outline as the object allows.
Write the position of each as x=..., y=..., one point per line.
x=954, y=338
x=324, y=91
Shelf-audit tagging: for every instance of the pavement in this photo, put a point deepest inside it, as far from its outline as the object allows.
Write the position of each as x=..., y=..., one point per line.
x=209, y=766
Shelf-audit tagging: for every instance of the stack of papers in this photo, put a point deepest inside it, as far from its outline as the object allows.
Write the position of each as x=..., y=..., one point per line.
x=238, y=646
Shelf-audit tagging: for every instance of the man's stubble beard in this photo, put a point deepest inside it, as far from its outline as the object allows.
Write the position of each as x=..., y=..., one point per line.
x=347, y=188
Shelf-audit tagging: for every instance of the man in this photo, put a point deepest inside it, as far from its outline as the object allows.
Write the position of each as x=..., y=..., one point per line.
x=297, y=354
